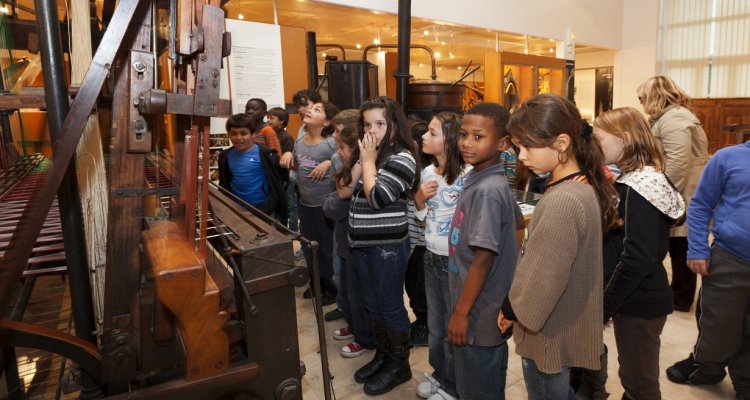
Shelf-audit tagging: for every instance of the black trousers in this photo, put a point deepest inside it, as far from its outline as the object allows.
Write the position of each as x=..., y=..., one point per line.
x=414, y=285
x=683, y=279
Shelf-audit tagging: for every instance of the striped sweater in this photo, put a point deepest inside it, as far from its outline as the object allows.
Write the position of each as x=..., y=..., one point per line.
x=383, y=219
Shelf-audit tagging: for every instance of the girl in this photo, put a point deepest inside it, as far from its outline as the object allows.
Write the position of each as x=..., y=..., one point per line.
x=553, y=298
x=312, y=160
x=436, y=200
x=637, y=296
x=686, y=151
x=379, y=236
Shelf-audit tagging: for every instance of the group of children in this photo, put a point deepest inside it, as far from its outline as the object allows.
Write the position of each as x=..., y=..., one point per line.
x=593, y=253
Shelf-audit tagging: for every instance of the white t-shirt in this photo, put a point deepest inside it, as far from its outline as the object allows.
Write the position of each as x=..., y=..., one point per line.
x=439, y=209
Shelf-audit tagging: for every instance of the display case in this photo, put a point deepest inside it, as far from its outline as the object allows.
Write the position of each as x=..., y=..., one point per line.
x=511, y=78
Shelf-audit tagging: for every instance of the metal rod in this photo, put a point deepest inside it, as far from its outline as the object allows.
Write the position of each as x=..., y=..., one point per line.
x=312, y=61
x=404, y=39
x=338, y=46
x=71, y=215
x=395, y=46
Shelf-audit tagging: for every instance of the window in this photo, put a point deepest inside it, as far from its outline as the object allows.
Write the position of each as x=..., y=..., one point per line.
x=704, y=45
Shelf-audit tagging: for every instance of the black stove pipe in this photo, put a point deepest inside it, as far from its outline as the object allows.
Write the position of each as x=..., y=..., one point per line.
x=404, y=41
x=312, y=61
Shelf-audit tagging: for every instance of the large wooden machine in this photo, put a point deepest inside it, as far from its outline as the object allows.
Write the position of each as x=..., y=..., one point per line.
x=198, y=298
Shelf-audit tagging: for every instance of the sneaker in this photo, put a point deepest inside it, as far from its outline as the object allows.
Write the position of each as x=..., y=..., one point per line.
x=352, y=350
x=427, y=388
x=307, y=294
x=333, y=315
x=419, y=335
x=686, y=372
x=343, y=333
x=442, y=395
x=328, y=299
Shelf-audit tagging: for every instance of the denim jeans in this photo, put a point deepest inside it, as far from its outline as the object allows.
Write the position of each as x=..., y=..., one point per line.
x=381, y=270
x=291, y=205
x=438, y=314
x=349, y=300
x=481, y=371
x=541, y=386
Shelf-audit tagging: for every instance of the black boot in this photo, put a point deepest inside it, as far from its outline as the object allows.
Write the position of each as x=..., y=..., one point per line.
x=369, y=370
x=396, y=369
x=593, y=383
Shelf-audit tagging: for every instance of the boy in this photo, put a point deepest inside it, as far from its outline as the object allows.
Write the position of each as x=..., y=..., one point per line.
x=256, y=109
x=249, y=170
x=722, y=197
x=482, y=256
x=278, y=118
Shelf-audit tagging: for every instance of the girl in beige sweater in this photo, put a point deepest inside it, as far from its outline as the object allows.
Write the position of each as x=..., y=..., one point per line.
x=556, y=295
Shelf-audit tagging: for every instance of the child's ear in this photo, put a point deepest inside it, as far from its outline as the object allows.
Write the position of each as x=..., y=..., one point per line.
x=327, y=122
x=627, y=138
x=503, y=144
x=562, y=143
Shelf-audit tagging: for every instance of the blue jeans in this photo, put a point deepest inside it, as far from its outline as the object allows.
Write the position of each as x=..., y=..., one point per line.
x=291, y=204
x=382, y=269
x=438, y=314
x=349, y=300
x=541, y=386
x=481, y=371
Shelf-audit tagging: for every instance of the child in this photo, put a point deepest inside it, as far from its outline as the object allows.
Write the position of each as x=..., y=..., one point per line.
x=555, y=297
x=482, y=256
x=350, y=296
x=414, y=283
x=637, y=296
x=264, y=134
x=278, y=119
x=251, y=171
x=379, y=236
x=436, y=200
x=312, y=160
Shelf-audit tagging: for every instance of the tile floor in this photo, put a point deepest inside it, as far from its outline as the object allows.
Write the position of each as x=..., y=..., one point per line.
x=677, y=340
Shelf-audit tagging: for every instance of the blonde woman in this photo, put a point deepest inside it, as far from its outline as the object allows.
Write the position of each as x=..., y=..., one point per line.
x=685, y=148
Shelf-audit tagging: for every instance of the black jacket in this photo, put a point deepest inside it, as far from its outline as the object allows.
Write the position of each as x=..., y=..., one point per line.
x=636, y=282
x=276, y=200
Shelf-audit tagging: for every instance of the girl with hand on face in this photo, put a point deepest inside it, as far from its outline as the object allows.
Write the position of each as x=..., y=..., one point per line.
x=382, y=181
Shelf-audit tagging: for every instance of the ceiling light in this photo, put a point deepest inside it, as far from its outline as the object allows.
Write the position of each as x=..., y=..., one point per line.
x=240, y=16
x=552, y=40
x=437, y=54
x=376, y=41
x=420, y=65
x=324, y=55
x=450, y=54
x=426, y=32
x=359, y=46
x=443, y=43
x=551, y=50
x=4, y=10
x=440, y=68
x=459, y=67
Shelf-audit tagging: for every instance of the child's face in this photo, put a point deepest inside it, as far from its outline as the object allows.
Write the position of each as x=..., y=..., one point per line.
x=433, y=141
x=612, y=145
x=344, y=151
x=254, y=110
x=479, y=143
x=316, y=116
x=303, y=109
x=337, y=130
x=539, y=160
x=242, y=139
x=274, y=121
x=375, y=123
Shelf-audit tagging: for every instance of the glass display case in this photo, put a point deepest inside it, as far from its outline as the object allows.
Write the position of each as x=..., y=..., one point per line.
x=511, y=78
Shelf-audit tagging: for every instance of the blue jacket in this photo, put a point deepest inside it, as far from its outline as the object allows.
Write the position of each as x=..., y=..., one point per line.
x=723, y=194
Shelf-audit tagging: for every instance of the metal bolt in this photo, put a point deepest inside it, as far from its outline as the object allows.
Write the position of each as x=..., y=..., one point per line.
x=212, y=107
x=201, y=85
x=202, y=57
x=214, y=83
x=139, y=67
x=215, y=73
x=200, y=106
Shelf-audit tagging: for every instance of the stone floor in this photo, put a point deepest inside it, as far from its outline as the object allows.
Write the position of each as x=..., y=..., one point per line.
x=677, y=339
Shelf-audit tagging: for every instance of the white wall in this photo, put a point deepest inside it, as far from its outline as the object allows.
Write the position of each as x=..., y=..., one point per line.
x=595, y=60
x=636, y=60
x=594, y=22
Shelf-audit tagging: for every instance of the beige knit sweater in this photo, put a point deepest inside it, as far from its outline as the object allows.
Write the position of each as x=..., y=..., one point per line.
x=557, y=289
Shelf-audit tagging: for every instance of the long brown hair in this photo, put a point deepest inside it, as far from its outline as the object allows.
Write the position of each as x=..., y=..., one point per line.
x=541, y=119
x=642, y=149
x=348, y=137
x=454, y=161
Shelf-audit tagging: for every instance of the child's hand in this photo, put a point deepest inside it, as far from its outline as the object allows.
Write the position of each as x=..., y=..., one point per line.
x=503, y=323
x=320, y=171
x=426, y=191
x=286, y=160
x=458, y=329
x=368, y=149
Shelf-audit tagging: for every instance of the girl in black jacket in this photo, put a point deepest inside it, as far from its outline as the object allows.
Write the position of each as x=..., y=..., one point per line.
x=637, y=296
